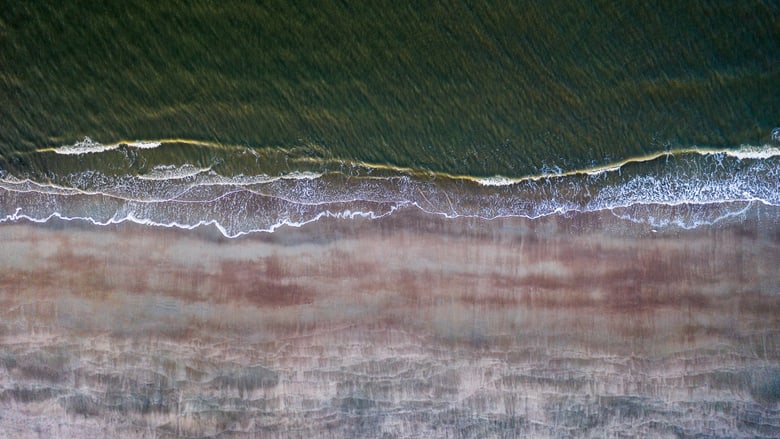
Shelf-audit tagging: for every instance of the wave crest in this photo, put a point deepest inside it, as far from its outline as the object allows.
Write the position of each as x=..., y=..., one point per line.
x=89, y=146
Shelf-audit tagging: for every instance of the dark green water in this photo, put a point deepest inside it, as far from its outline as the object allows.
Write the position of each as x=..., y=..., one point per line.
x=507, y=88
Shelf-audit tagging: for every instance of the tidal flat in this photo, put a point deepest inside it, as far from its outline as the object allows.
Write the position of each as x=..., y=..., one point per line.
x=406, y=326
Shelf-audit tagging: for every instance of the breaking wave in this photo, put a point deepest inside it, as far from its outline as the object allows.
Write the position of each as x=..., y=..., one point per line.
x=240, y=190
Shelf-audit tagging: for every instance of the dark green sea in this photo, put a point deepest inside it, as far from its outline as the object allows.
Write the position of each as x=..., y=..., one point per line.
x=252, y=115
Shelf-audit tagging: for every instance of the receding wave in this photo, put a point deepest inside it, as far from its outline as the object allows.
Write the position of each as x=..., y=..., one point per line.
x=240, y=190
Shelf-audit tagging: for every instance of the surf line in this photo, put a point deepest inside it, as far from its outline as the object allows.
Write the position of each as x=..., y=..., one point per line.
x=742, y=153
x=90, y=146
x=87, y=145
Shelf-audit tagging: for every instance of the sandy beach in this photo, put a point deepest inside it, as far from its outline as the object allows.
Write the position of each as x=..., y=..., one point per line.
x=407, y=326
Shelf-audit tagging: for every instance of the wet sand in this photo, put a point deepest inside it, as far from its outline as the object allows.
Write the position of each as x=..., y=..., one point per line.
x=408, y=326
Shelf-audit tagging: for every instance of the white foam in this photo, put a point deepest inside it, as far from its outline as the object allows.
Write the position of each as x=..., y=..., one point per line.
x=172, y=172
x=682, y=222
x=187, y=196
x=248, y=180
x=604, y=170
x=143, y=144
x=133, y=218
x=13, y=184
x=89, y=146
x=752, y=152
x=496, y=180
x=86, y=146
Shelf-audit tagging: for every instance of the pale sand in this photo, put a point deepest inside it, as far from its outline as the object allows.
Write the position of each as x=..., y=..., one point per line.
x=409, y=326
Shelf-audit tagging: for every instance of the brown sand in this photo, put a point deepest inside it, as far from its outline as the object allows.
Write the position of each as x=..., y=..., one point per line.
x=410, y=326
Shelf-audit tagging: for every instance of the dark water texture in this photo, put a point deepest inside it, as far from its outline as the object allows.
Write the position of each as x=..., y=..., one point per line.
x=488, y=88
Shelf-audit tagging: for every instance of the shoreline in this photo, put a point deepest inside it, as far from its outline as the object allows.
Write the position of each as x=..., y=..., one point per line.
x=409, y=325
